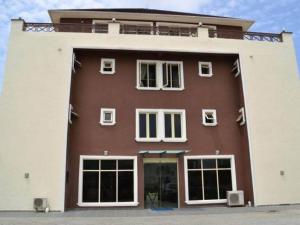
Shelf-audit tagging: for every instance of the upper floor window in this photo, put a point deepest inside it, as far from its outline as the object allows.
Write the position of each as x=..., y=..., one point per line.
x=155, y=75
x=107, y=66
x=154, y=125
x=205, y=69
x=108, y=116
x=209, y=117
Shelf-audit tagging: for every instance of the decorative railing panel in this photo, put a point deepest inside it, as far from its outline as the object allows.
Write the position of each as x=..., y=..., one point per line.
x=252, y=36
x=136, y=29
x=65, y=27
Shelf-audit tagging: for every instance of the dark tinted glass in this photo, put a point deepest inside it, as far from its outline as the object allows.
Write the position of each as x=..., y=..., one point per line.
x=209, y=163
x=225, y=183
x=108, y=164
x=194, y=164
x=125, y=186
x=205, y=69
x=125, y=164
x=175, y=76
x=177, y=120
x=168, y=129
x=210, y=184
x=144, y=76
x=108, y=187
x=90, y=187
x=142, y=118
x=195, y=185
x=152, y=75
x=91, y=164
x=165, y=81
x=152, y=124
x=224, y=163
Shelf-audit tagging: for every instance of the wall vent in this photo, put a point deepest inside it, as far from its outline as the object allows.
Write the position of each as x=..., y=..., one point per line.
x=235, y=198
x=40, y=204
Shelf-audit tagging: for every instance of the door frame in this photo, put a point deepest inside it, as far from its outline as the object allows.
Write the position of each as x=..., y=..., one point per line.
x=165, y=160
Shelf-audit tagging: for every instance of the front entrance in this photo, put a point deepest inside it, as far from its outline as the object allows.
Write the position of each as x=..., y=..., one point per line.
x=160, y=183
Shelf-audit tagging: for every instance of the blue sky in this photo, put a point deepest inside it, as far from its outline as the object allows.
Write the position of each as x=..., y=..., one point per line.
x=270, y=15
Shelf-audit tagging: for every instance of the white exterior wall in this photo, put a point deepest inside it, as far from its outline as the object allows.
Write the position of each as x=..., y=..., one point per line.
x=34, y=109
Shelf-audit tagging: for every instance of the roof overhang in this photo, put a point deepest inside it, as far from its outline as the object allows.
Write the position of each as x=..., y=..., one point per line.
x=56, y=15
x=163, y=152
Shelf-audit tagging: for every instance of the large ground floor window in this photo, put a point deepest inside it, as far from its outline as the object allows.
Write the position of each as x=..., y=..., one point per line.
x=208, y=178
x=107, y=181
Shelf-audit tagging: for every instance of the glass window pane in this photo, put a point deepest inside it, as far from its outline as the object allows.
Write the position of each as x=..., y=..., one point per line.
x=177, y=121
x=108, y=187
x=107, y=116
x=90, y=164
x=125, y=186
x=210, y=184
x=194, y=164
x=165, y=81
x=108, y=164
x=142, y=123
x=205, y=69
x=125, y=164
x=209, y=163
x=152, y=75
x=175, y=76
x=90, y=187
x=152, y=124
x=168, y=128
x=195, y=185
x=225, y=183
x=224, y=163
x=169, y=75
x=144, y=71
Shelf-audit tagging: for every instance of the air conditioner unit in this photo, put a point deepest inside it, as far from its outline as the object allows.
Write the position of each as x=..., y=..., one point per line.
x=235, y=198
x=40, y=204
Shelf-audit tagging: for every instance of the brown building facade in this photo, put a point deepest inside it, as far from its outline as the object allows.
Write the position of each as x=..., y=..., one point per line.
x=155, y=129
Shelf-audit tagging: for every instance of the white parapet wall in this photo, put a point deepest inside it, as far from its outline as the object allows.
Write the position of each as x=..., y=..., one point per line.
x=35, y=100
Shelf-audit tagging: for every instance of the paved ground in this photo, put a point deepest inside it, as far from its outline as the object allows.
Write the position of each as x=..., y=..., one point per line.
x=273, y=215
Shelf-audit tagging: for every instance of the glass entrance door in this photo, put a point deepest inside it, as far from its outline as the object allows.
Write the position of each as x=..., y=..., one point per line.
x=160, y=183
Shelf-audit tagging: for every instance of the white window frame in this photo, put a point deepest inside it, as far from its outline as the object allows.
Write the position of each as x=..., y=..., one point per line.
x=108, y=204
x=113, y=64
x=160, y=126
x=213, y=112
x=211, y=201
x=159, y=75
x=236, y=66
x=242, y=117
x=209, y=64
x=102, y=117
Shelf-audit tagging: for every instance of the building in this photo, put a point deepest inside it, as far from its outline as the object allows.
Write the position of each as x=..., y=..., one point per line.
x=147, y=108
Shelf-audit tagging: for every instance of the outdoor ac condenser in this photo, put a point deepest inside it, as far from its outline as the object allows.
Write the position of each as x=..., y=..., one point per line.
x=235, y=198
x=40, y=204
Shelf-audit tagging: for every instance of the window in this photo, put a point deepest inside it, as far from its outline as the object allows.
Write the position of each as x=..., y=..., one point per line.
x=154, y=125
x=205, y=69
x=108, y=181
x=241, y=118
x=236, y=70
x=208, y=178
x=156, y=75
x=209, y=117
x=148, y=75
x=171, y=75
x=107, y=66
x=107, y=116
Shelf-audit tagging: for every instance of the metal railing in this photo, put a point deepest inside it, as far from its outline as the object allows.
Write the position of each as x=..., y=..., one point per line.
x=66, y=27
x=160, y=30
x=252, y=36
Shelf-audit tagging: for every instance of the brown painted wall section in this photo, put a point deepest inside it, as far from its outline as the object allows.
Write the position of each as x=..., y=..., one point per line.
x=92, y=90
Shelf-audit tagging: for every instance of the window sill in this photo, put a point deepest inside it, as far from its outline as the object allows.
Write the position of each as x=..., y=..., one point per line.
x=174, y=140
x=173, y=89
x=107, y=204
x=210, y=124
x=147, y=139
x=206, y=75
x=199, y=202
x=107, y=124
x=107, y=73
x=148, y=89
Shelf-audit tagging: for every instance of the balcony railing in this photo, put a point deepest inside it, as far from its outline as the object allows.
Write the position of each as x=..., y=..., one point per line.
x=150, y=30
x=66, y=27
x=252, y=36
x=160, y=30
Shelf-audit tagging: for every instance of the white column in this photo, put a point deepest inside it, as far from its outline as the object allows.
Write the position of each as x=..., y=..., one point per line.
x=202, y=32
x=114, y=28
